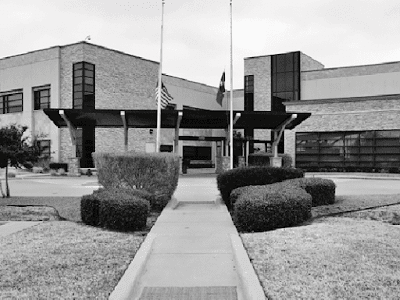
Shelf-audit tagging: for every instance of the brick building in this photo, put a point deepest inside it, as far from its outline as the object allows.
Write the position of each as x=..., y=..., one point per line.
x=87, y=76
x=355, y=121
x=355, y=110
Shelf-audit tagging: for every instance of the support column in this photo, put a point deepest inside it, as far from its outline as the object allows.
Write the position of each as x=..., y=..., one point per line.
x=177, y=126
x=124, y=122
x=73, y=164
x=275, y=160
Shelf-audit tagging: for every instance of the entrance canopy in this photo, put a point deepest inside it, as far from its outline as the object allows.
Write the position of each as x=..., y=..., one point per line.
x=194, y=119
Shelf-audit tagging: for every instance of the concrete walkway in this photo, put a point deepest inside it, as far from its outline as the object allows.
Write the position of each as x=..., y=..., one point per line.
x=192, y=252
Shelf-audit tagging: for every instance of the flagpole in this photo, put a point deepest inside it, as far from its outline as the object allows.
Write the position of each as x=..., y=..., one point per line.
x=160, y=83
x=231, y=96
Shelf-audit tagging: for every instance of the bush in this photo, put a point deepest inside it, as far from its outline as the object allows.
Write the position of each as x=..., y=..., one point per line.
x=263, y=159
x=123, y=212
x=321, y=190
x=114, y=209
x=157, y=202
x=268, y=207
x=37, y=170
x=56, y=166
x=156, y=173
x=232, y=179
x=90, y=209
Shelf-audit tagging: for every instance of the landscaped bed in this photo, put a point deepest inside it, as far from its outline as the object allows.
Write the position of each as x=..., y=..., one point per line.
x=64, y=260
x=346, y=257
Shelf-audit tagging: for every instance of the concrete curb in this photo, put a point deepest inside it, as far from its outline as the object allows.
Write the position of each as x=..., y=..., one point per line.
x=251, y=286
x=341, y=175
x=129, y=281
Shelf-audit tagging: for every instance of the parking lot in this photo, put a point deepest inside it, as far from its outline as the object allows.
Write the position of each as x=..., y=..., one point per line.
x=78, y=186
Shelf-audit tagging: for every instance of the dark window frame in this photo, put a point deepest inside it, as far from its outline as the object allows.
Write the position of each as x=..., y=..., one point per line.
x=40, y=100
x=83, y=85
x=6, y=108
x=44, y=147
x=367, y=149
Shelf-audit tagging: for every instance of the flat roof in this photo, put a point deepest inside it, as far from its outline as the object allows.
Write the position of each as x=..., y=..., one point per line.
x=193, y=119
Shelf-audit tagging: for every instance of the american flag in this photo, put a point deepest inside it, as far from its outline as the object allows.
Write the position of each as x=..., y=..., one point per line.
x=166, y=98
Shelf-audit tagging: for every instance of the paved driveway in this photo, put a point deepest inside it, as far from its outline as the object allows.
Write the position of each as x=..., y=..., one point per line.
x=78, y=186
x=366, y=186
x=48, y=186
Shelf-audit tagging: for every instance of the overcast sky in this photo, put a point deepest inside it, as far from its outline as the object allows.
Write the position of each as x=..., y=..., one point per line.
x=196, y=32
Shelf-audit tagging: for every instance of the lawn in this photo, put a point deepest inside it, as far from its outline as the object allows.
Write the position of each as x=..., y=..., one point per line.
x=351, y=256
x=67, y=207
x=64, y=260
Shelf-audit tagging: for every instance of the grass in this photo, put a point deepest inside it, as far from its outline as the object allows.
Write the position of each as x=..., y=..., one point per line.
x=64, y=260
x=28, y=213
x=67, y=207
x=354, y=256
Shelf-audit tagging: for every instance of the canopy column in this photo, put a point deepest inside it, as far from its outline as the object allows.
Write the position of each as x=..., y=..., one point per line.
x=123, y=117
x=178, y=124
x=278, y=131
x=74, y=164
x=72, y=130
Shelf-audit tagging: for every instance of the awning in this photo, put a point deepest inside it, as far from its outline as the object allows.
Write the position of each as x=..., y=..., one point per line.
x=193, y=119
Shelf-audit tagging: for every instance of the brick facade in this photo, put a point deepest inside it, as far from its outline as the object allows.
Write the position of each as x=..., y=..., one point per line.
x=380, y=113
x=260, y=67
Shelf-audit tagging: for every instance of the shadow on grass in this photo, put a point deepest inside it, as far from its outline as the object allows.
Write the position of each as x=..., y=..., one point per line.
x=68, y=208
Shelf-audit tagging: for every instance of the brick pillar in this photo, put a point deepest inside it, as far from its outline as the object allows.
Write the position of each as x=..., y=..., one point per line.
x=74, y=166
x=241, y=161
x=276, y=162
x=223, y=164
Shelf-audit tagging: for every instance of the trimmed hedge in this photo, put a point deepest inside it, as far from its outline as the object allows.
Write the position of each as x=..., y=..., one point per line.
x=157, y=202
x=124, y=213
x=114, y=209
x=321, y=190
x=232, y=179
x=268, y=207
x=156, y=173
x=264, y=158
x=90, y=209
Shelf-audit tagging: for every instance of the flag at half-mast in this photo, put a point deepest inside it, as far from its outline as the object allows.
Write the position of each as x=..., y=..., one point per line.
x=221, y=89
x=166, y=97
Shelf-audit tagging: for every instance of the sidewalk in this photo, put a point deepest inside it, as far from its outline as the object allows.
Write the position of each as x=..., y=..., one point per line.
x=193, y=252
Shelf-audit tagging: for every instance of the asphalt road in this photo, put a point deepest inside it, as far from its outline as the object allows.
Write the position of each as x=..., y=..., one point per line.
x=78, y=186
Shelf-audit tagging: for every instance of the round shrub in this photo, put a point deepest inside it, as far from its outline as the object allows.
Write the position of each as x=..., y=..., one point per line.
x=321, y=190
x=232, y=179
x=123, y=211
x=90, y=209
x=157, y=202
x=262, y=208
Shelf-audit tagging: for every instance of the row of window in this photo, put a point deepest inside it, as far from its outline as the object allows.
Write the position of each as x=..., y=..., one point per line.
x=375, y=148
x=13, y=102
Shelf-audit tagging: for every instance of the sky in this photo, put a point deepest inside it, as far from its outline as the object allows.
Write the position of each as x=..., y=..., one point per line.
x=196, y=39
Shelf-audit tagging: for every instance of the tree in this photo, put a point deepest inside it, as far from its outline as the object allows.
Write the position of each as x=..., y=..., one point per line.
x=15, y=150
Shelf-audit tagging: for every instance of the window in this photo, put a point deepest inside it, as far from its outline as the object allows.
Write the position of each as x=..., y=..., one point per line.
x=83, y=96
x=249, y=93
x=10, y=103
x=374, y=149
x=41, y=97
x=44, y=148
x=285, y=79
